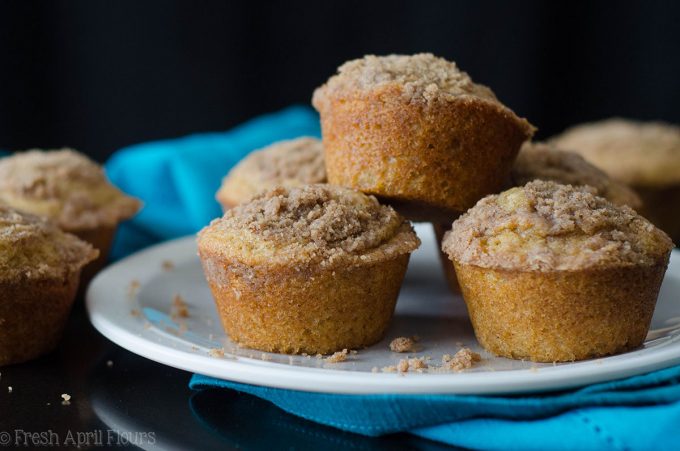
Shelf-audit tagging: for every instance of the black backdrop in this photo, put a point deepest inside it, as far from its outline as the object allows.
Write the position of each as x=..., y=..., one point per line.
x=98, y=75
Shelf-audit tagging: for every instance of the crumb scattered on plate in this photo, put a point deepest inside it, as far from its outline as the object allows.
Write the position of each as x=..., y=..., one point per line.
x=337, y=357
x=217, y=352
x=403, y=344
x=461, y=360
x=167, y=265
x=135, y=312
x=179, y=308
x=133, y=287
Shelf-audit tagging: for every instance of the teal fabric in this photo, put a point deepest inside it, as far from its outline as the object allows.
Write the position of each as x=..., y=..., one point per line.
x=641, y=412
x=177, y=179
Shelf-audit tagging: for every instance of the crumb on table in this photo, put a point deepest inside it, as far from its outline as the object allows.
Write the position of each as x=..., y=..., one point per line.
x=66, y=399
x=168, y=265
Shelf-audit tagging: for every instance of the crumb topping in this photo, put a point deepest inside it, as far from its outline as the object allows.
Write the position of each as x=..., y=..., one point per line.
x=545, y=226
x=403, y=344
x=539, y=161
x=637, y=153
x=289, y=163
x=32, y=247
x=320, y=224
x=422, y=78
x=64, y=186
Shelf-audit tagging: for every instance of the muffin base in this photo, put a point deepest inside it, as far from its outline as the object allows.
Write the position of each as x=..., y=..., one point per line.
x=662, y=207
x=429, y=161
x=100, y=238
x=560, y=315
x=281, y=310
x=447, y=264
x=33, y=315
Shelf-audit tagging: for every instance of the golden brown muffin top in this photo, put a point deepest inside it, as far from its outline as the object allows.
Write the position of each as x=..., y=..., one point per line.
x=286, y=163
x=540, y=161
x=637, y=153
x=65, y=186
x=32, y=247
x=422, y=77
x=545, y=226
x=322, y=225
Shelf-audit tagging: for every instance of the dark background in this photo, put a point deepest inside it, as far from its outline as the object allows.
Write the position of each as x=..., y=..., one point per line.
x=99, y=75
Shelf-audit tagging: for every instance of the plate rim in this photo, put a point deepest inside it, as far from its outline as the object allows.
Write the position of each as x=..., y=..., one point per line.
x=131, y=335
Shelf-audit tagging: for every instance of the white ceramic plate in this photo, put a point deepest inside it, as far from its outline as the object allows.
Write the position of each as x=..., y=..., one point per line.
x=131, y=304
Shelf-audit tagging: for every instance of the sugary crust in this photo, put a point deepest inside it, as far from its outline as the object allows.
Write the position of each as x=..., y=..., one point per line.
x=545, y=226
x=431, y=160
x=64, y=186
x=636, y=153
x=32, y=248
x=423, y=77
x=541, y=161
x=561, y=315
x=309, y=226
x=33, y=314
x=322, y=311
x=289, y=163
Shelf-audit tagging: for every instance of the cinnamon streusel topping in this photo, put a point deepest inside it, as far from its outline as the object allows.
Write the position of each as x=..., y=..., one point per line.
x=319, y=224
x=64, y=186
x=638, y=153
x=539, y=161
x=545, y=226
x=286, y=163
x=32, y=247
x=423, y=78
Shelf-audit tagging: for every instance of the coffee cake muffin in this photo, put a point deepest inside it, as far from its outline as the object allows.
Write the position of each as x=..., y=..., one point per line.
x=644, y=155
x=553, y=272
x=539, y=161
x=286, y=163
x=39, y=271
x=71, y=190
x=313, y=269
x=417, y=132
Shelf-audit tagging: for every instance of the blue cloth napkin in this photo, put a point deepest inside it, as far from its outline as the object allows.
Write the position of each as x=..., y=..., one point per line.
x=177, y=180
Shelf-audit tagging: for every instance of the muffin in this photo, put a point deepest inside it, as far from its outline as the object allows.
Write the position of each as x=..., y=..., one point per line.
x=39, y=271
x=553, y=272
x=71, y=190
x=286, y=163
x=311, y=269
x=644, y=155
x=418, y=133
x=539, y=161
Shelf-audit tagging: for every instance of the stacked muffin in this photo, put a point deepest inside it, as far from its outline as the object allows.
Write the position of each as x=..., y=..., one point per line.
x=42, y=265
x=561, y=268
